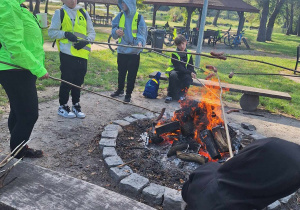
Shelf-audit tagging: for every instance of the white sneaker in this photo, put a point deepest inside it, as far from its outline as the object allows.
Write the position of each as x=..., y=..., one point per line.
x=64, y=110
x=76, y=108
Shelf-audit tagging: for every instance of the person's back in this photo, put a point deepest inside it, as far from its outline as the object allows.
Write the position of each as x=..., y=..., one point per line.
x=180, y=70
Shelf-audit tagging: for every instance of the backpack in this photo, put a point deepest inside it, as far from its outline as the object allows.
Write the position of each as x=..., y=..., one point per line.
x=151, y=87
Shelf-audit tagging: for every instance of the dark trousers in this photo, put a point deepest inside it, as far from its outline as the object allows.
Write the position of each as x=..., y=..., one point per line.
x=127, y=63
x=178, y=84
x=20, y=88
x=73, y=70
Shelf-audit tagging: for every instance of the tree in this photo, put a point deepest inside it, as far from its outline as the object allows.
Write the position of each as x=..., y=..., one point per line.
x=291, y=20
x=261, y=36
x=216, y=18
x=37, y=7
x=46, y=6
x=30, y=6
x=272, y=19
x=298, y=26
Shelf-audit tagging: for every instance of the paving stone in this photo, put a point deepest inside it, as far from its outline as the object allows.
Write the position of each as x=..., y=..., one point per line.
x=117, y=174
x=139, y=116
x=110, y=134
x=172, y=199
x=235, y=126
x=130, y=119
x=113, y=161
x=286, y=199
x=273, y=205
x=248, y=126
x=113, y=127
x=121, y=122
x=104, y=142
x=257, y=136
x=108, y=152
x=133, y=184
x=153, y=194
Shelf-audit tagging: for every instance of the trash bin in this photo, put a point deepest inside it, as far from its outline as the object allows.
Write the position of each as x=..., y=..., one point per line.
x=158, y=38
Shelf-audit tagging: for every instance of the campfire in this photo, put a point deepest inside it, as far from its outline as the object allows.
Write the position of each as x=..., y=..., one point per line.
x=196, y=131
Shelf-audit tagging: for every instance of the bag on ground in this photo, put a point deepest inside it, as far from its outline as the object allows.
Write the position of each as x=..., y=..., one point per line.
x=152, y=86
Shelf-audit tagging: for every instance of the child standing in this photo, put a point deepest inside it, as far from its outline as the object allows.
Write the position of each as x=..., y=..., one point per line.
x=180, y=74
x=130, y=27
x=72, y=28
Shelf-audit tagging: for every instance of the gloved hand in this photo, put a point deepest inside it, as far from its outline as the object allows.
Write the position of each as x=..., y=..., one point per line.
x=71, y=37
x=80, y=44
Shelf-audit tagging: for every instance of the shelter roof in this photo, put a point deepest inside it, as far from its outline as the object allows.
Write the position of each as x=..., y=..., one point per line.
x=111, y=2
x=231, y=5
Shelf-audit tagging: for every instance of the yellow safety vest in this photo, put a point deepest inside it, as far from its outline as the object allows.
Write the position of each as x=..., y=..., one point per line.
x=134, y=25
x=171, y=67
x=79, y=30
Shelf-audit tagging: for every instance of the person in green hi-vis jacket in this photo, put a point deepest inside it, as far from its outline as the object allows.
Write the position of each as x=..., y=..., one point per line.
x=21, y=44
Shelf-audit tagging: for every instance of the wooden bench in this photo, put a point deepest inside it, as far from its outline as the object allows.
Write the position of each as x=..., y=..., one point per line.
x=250, y=98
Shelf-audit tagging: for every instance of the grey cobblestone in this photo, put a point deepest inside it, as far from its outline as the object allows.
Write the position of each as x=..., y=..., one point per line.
x=117, y=173
x=257, y=136
x=104, y=142
x=108, y=152
x=133, y=184
x=121, y=122
x=273, y=205
x=172, y=199
x=150, y=115
x=113, y=127
x=139, y=116
x=130, y=119
x=153, y=194
x=113, y=161
x=110, y=134
x=286, y=199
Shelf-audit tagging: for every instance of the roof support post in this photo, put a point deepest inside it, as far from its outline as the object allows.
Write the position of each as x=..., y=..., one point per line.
x=190, y=11
x=201, y=32
x=94, y=9
x=241, y=22
x=156, y=7
x=107, y=12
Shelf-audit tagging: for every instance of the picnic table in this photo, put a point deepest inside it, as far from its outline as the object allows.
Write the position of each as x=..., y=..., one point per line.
x=100, y=19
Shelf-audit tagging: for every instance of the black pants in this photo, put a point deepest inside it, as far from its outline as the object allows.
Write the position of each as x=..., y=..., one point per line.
x=73, y=70
x=20, y=88
x=178, y=84
x=127, y=63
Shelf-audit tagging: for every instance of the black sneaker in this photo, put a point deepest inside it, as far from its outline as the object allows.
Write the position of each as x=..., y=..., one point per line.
x=29, y=153
x=127, y=98
x=117, y=93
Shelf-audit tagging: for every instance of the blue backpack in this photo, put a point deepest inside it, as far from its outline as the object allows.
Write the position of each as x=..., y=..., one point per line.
x=151, y=87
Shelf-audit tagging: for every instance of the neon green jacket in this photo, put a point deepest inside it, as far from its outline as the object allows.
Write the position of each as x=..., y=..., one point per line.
x=21, y=38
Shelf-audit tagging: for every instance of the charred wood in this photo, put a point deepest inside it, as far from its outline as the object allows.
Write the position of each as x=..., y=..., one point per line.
x=191, y=157
x=177, y=147
x=167, y=127
x=219, y=134
x=211, y=147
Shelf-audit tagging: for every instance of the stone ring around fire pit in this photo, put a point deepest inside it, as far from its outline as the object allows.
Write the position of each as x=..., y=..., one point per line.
x=139, y=187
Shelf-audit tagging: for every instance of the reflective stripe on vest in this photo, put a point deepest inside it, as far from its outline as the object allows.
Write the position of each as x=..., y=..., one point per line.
x=134, y=25
x=80, y=30
x=171, y=67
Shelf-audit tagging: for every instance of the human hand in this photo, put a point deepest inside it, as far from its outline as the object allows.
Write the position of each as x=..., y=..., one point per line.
x=80, y=44
x=120, y=32
x=139, y=44
x=193, y=75
x=46, y=76
x=71, y=37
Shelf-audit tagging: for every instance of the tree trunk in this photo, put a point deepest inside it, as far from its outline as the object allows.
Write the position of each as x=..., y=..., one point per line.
x=272, y=19
x=30, y=6
x=46, y=6
x=37, y=7
x=290, y=27
x=261, y=36
x=298, y=26
x=216, y=18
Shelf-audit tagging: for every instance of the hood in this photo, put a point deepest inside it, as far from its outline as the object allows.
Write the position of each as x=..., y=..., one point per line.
x=77, y=7
x=131, y=4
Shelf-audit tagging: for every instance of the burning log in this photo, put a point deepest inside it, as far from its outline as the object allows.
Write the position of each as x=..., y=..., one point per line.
x=211, y=147
x=177, y=147
x=219, y=134
x=191, y=157
x=167, y=127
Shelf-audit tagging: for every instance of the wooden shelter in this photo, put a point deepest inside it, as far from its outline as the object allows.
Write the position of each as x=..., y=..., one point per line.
x=191, y=5
x=92, y=7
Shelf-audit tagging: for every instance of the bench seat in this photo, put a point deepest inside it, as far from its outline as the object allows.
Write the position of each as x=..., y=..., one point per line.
x=250, y=99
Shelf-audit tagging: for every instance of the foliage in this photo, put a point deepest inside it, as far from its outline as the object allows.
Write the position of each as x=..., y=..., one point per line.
x=176, y=13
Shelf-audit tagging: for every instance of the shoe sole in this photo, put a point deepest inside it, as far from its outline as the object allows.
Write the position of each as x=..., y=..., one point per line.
x=69, y=117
